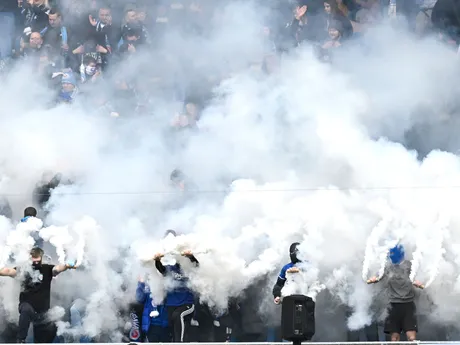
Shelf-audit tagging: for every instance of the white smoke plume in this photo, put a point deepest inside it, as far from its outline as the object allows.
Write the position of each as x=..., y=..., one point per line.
x=20, y=241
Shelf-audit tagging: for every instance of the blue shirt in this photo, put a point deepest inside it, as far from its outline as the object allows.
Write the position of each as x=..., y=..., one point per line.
x=181, y=294
x=143, y=296
x=284, y=269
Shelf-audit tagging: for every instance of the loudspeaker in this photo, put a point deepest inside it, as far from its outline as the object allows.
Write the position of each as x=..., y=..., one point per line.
x=298, y=318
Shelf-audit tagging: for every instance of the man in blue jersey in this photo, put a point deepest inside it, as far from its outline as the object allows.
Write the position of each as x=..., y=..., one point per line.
x=179, y=300
x=293, y=251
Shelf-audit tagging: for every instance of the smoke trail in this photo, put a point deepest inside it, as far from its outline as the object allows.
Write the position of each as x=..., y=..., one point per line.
x=60, y=238
x=373, y=250
x=429, y=251
x=20, y=241
x=83, y=228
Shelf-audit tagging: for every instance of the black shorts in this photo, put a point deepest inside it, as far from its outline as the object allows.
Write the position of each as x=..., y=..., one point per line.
x=401, y=318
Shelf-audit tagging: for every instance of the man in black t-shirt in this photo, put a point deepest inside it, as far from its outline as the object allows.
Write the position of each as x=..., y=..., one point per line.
x=35, y=296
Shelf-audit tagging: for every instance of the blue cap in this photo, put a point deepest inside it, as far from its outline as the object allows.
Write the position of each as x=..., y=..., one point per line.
x=69, y=78
x=396, y=254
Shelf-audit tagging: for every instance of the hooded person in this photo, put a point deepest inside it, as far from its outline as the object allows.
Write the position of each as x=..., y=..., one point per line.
x=400, y=289
x=293, y=253
x=179, y=301
x=35, y=296
x=69, y=88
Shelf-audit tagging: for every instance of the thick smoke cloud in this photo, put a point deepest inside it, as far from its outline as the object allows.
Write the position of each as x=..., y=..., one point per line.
x=313, y=152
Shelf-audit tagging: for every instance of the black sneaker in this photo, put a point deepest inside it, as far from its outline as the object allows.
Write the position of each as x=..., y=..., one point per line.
x=20, y=341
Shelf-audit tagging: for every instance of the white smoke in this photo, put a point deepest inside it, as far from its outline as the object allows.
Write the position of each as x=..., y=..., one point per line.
x=20, y=241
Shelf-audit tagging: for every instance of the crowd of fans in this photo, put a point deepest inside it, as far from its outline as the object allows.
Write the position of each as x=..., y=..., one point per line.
x=75, y=45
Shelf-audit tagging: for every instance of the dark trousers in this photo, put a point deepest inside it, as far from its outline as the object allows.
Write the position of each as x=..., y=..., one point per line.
x=157, y=334
x=44, y=330
x=179, y=322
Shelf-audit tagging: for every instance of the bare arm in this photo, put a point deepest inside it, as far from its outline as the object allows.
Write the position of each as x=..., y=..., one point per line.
x=8, y=272
x=58, y=269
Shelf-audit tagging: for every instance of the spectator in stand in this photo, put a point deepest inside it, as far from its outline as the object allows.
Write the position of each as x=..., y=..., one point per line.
x=335, y=40
x=131, y=41
x=133, y=23
x=305, y=26
x=333, y=13
x=154, y=317
x=55, y=35
x=33, y=49
x=90, y=43
x=69, y=88
x=35, y=15
x=104, y=25
x=89, y=70
x=188, y=118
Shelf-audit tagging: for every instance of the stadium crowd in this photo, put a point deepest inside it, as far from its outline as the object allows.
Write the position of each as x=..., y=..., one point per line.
x=78, y=46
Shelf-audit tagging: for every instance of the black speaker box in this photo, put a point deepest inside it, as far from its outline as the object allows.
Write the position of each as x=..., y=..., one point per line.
x=298, y=318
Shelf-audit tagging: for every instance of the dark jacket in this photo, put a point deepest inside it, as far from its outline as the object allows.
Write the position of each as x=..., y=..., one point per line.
x=282, y=276
x=35, y=17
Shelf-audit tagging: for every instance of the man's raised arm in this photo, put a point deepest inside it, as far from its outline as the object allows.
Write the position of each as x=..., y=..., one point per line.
x=58, y=269
x=8, y=272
